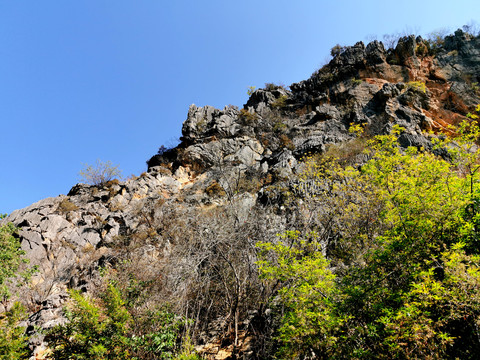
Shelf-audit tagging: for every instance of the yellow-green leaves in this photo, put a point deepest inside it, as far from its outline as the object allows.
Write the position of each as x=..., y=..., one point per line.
x=417, y=85
x=402, y=278
x=13, y=340
x=309, y=294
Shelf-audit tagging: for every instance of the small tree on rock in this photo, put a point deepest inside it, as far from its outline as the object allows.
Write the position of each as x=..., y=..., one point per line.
x=99, y=173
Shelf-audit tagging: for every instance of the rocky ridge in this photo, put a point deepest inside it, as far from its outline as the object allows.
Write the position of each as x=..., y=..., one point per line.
x=244, y=159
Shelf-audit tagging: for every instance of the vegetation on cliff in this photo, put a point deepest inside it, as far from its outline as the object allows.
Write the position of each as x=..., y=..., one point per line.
x=13, y=341
x=399, y=279
x=402, y=278
x=273, y=232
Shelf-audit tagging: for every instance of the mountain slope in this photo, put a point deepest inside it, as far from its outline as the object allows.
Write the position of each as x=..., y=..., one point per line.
x=192, y=220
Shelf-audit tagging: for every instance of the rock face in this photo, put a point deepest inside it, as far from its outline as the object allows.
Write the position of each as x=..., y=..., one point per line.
x=244, y=156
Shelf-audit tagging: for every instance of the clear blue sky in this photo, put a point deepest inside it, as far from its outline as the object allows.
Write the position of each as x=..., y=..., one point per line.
x=112, y=80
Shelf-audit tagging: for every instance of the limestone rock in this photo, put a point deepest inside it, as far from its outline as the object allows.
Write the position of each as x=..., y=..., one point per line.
x=243, y=158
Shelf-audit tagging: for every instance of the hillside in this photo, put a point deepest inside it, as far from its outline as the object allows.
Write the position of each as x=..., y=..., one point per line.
x=185, y=232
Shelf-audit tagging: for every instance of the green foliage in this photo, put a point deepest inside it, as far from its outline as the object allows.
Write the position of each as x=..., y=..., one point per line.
x=97, y=331
x=279, y=126
x=251, y=90
x=11, y=259
x=417, y=85
x=13, y=341
x=475, y=87
x=309, y=319
x=402, y=280
x=249, y=118
x=438, y=312
x=421, y=49
x=280, y=102
x=114, y=327
x=272, y=86
x=99, y=173
x=337, y=50
x=187, y=351
x=163, y=340
x=474, y=116
x=356, y=82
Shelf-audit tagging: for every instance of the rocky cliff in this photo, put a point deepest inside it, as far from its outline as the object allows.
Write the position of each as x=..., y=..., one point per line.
x=224, y=186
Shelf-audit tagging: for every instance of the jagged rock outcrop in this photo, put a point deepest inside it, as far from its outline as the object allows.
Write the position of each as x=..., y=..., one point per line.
x=246, y=157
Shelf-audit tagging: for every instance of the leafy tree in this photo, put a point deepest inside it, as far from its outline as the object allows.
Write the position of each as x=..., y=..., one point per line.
x=337, y=50
x=13, y=341
x=401, y=236
x=10, y=258
x=310, y=319
x=92, y=331
x=99, y=173
x=113, y=327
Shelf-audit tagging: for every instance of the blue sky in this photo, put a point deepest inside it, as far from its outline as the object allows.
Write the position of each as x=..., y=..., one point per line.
x=112, y=80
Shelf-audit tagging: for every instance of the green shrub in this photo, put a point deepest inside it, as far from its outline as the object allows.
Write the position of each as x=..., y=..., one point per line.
x=113, y=327
x=356, y=82
x=475, y=87
x=247, y=117
x=417, y=85
x=272, y=86
x=11, y=260
x=421, y=49
x=337, y=50
x=94, y=330
x=13, y=341
x=279, y=126
x=474, y=115
x=280, y=102
x=402, y=279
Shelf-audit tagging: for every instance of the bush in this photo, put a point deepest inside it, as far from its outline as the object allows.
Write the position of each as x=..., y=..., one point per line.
x=100, y=173
x=280, y=102
x=13, y=341
x=11, y=259
x=272, y=86
x=248, y=118
x=417, y=85
x=401, y=235
x=337, y=50
x=356, y=82
x=66, y=206
x=215, y=189
x=112, y=326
